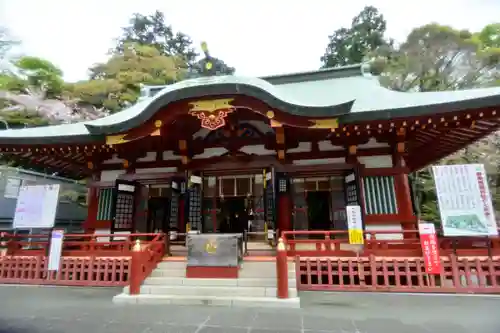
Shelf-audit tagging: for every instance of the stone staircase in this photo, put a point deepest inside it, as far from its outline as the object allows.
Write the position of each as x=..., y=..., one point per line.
x=255, y=287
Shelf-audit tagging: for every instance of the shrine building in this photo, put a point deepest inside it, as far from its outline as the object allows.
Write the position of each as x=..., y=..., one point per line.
x=290, y=150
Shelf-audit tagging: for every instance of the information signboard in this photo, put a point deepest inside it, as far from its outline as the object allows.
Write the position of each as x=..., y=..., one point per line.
x=464, y=200
x=36, y=207
x=56, y=240
x=355, y=225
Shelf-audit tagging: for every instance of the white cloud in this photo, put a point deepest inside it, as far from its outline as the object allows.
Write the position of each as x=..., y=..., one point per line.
x=258, y=37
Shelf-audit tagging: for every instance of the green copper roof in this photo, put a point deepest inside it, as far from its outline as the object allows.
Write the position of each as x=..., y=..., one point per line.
x=341, y=92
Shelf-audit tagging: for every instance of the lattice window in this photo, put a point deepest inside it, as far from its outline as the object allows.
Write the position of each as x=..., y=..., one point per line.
x=104, y=207
x=379, y=195
x=195, y=214
x=124, y=211
x=174, y=211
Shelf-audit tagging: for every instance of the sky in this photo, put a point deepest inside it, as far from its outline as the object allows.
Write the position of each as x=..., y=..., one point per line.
x=259, y=37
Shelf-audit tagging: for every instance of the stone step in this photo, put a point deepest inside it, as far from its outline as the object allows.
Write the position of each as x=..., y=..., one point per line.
x=264, y=266
x=244, y=282
x=256, y=273
x=172, y=265
x=268, y=302
x=219, y=291
x=165, y=272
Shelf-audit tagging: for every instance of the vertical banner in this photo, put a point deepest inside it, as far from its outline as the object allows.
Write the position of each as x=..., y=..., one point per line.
x=464, y=200
x=430, y=248
x=56, y=240
x=355, y=225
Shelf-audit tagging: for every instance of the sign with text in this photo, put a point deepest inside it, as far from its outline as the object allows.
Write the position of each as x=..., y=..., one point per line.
x=219, y=250
x=430, y=248
x=355, y=225
x=36, y=207
x=464, y=200
x=56, y=241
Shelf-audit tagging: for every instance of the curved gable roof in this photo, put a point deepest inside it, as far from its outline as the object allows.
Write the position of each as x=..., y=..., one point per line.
x=218, y=85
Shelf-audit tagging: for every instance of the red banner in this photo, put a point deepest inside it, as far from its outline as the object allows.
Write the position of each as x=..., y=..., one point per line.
x=430, y=248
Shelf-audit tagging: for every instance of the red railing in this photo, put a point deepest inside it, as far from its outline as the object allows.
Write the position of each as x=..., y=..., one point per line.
x=144, y=261
x=74, y=271
x=85, y=260
x=458, y=275
x=103, y=245
x=383, y=243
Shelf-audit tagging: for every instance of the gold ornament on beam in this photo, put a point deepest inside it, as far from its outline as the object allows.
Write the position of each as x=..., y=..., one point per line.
x=330, y=123
x=212, y=113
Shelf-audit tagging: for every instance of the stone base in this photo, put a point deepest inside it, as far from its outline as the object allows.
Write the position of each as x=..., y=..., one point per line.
x=207, y=272
x=268, y=302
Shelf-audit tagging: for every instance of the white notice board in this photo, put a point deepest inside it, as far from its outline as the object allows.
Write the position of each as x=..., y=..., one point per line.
x=56, y=240
x=36, y=207
x=464, y=200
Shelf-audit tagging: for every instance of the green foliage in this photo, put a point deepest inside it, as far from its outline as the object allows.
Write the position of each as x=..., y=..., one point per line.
x=40, y=73
x=351, y=45
x=436, y=58
x=117, y=82
x=152, y=30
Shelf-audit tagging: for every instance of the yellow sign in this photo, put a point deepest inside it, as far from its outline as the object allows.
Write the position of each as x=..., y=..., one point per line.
x=211, y=246
x=356, y=236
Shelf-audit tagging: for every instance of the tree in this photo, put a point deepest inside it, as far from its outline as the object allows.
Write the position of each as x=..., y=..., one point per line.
x=351, y=45
x=33, y=94
x=117, y=82
x=152, y=30
x=436, y=58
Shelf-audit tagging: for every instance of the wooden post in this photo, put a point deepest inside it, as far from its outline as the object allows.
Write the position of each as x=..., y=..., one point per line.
x=281, y=270
x=136, y=269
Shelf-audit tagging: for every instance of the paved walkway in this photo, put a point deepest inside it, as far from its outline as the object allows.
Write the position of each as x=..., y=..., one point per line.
x=80, y=310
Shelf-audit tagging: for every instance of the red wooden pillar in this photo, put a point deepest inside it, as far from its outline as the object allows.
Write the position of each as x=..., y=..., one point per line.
x=284, y=212
x=281, y=270
x=403, y=193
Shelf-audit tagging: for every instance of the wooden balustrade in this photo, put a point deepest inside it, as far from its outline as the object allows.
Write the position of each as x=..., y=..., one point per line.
x=144, y=258
x=383, y=243
x=85, y=260
x=77, y=244
x=458, y=275
x=74, y=271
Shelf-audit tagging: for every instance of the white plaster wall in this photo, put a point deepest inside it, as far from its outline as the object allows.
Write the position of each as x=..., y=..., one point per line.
x=150, y=157
x=210, y=152
x=169, y=155
x=387, y=227
x=113, y=160
x=338, y=160
x=303, y=147
x=111, y=175
x=326, y=145
x=155, y=170
x=383, y=161
x=257, y=150
x=373, y=143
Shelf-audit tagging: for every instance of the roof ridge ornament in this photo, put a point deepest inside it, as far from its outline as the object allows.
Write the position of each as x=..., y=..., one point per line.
x=207, y=63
